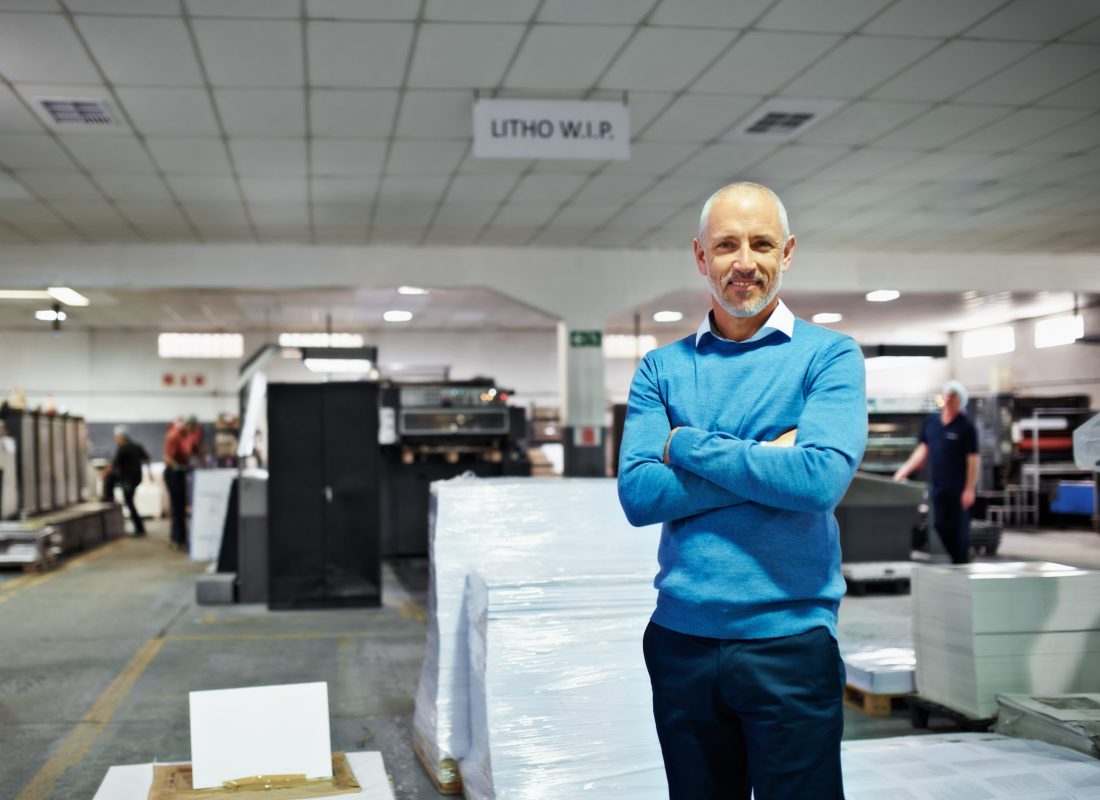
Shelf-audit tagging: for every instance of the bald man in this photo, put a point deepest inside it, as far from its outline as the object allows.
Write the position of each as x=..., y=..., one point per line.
x=741, y=439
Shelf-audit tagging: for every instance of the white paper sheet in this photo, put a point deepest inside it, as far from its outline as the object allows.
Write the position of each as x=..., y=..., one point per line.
x=263, y=730
x=209, y=505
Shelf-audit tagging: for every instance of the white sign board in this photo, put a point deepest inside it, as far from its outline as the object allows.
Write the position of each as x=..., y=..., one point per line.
x=573, y=129
x=263, y=730
x=210, y=491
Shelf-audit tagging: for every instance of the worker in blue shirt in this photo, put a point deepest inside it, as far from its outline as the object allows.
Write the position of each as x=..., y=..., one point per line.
x=948, y=443
x=741, y=439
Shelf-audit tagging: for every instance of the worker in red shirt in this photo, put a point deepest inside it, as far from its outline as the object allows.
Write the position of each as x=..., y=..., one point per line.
x=181, y=444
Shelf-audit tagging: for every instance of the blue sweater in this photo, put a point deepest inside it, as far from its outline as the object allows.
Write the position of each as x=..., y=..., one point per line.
x=749, y=547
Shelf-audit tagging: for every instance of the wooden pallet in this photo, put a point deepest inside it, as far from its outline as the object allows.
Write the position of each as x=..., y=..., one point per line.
x=921, y=709
x=873, y=705
x=444, y=775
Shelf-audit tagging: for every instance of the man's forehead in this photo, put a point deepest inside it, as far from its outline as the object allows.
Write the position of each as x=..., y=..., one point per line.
x=744, y=205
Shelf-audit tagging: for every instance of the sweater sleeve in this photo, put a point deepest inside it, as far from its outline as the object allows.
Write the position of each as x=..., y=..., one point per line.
x=814, y=474
x=650, y=490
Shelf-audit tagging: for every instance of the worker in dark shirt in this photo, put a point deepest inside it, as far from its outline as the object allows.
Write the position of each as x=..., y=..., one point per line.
x=126, y=472
x=949, y=445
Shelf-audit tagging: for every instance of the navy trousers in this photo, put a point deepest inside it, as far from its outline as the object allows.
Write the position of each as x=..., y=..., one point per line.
x=742, y=716
x=952, y=524
x=176, y=482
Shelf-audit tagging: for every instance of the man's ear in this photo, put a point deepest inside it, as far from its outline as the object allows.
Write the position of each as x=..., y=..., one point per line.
x=788, y=252
x=700, y=257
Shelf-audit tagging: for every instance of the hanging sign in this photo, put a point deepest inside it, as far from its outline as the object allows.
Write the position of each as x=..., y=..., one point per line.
x=585, y=338
x=574, y=129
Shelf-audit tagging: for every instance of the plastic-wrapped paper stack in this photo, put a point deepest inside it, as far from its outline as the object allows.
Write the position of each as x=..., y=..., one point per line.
x=559, y=693
x=881, y=669
x=1020, y=628
x=523, y=529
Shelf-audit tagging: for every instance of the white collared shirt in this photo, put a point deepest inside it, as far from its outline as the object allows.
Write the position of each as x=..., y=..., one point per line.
x=781, y=320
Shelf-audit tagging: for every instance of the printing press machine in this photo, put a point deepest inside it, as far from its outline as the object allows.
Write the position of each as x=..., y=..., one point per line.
x=876, y=518
x=433, y=431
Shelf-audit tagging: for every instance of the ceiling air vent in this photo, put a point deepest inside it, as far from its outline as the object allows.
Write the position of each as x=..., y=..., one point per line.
x=69, y=113
x=784, y=119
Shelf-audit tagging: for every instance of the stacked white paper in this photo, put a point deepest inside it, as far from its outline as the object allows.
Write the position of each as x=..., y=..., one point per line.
x=1018, y=628
x=1068, y=720
x=523, y=529
x=881, y=670
x=559, y=693
x=966, y=766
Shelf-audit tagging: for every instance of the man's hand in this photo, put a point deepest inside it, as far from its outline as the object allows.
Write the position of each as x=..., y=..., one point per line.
x=668, y=442
x=785, y=440
x=967, y=499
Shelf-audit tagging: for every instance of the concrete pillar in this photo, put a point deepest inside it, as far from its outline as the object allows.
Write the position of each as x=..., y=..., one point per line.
x=583, y=408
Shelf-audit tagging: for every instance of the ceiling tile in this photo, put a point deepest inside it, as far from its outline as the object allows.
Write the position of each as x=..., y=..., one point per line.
x=292, y=191
x=934, y=166
x=507, y=236
x=825, y=16
x=287, y=9
x=22, y=211
x=358, y=54
x=862, y=122
x=954, y=67
x=32, y=151
x=153, y=7
x=43, y=49
x=679, y=190
x=438, y=115
x=645, y=217
x=341, y=215
x=485, y=189
x=31, y=5
x=1074, y=138
x=14, y=116
x=133, y=187
x=858, y=65
x=559, y=166
x=415, y=190
x=425, y=157
x=344, y=190
x=1059, y=170
x=930, y=17
x=439, y=236
x=150, y=213
x=251, y=52
x=262, y=112
x=341, y=235
x=589, y=12
x=405, y=216
x=1035, y=20
x=338, y=157
x=794, y=162
x=172, y=112
x=540, y=65
x=357, y=9
x=269, y=157
x=760, y=62
x=1000, y=167
x=510, y=166
x=586, y=216
x=707, y=13
x=464, y=215
x=1019, y=128
x=665, y=58
x=189, y=154
x=719, y=161
x=611, y=189
x=352, y=113
x=1050, y=69
x=546, y=189
x=1086, y=33
x=865, y=164
x=466, y=56
x=108, y=153
x=218, y=213
x=142, y=50
x=278, y=215
x=479, y=10
x=201, y=188
x=11, y=189
x=700, y=117
x=1082, y=94
x=63, y=186
x=652, y=158
x=523, y=215
x=942, y=125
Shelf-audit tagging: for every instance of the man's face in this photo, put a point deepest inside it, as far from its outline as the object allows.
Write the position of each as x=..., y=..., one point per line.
x=952, y=402
x=742, y=253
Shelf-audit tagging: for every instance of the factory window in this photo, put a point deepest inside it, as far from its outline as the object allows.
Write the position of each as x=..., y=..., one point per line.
x=1060, y=330
x=626, y=346
x=200, y=345
x=988, y=342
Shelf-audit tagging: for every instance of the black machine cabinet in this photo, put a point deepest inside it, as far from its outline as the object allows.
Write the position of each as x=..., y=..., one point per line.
x=323, y=495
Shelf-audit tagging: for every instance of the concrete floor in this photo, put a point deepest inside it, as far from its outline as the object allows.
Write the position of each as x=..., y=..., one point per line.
x=97, y=658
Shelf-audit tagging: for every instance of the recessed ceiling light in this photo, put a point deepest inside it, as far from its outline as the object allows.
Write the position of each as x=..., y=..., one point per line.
x=827, y=317
x=411, y=290
x=883, y=295
x=49, y=315
x=668, y=316
x=397, y=316
x=69, y=297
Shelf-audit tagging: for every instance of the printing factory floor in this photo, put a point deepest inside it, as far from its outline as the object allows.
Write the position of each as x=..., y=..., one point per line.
x=97, y=658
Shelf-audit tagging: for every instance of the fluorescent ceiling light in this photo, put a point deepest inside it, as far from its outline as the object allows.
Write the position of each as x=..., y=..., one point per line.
x=23, y=294
x=626, y=346
x=411, y=290
x=1059, y=331
x=668, y=316
x=397, y=316
x=321, y=339
x=988, y=342
x=49, y=315
x=200, y=345
x=357, y=365
x=827, y=317
x=70, y=297
x=883, y=295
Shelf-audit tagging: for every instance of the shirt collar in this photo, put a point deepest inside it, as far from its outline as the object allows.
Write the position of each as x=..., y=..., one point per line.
x=781, y=320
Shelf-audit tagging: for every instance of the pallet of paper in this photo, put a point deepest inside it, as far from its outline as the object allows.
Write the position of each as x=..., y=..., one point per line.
x=559, y=693
x=1017, y=628
x=527, y=528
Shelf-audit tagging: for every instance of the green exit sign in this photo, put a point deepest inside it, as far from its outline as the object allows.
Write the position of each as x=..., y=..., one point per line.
x=585, y=338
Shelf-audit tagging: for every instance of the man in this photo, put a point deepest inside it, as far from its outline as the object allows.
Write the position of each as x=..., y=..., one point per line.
x=747, y=678
x=180, y=445
x=126, y=471
x=949, y=443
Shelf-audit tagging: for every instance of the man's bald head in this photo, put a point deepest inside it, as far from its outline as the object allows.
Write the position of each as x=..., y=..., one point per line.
x=744, y=186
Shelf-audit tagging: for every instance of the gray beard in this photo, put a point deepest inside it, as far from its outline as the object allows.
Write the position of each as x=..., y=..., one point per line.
x=748, y=311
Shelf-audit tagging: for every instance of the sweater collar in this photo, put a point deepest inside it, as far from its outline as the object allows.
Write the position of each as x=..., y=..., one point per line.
x=781, y=320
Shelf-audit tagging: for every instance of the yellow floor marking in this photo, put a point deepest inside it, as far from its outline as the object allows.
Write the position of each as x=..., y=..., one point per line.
x=245, y=637
x=25, y=582
x=83, y=735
